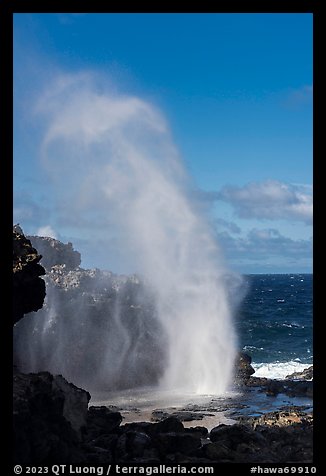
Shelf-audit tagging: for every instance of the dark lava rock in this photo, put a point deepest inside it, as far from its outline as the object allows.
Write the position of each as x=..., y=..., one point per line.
x=217, y=451
x=293, y=416
x=292, y=388
x=28, y=287
x=49, y=415
x=101, y=421
x=97, y=456
x=184, y=443
x=88, y=300
x=169, y=425
x=299, y=388
x=273, y=388
x=48, y=436
x=197, y=430
x=306, y=374
x=232, y=435
x=272, y=438
x=133, y=444
x=107, y=441
x=55, y=252
x=181, y=415
x=243, y=368
x=257, y=381
x=155, y=442
x=142, y=427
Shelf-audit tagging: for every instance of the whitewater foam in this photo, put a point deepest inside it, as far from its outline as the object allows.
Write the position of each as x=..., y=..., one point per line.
x=277, y=370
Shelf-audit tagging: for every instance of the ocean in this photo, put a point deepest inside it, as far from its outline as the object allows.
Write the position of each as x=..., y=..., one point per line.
x=275, y=323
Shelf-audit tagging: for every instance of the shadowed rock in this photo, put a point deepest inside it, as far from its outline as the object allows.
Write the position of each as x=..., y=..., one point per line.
x=243, y=368
x=306, y=374
x=28, y=287
x=54, y=252
x=49, y=415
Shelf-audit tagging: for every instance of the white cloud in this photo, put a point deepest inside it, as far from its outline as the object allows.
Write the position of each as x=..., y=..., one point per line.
x=270, y=200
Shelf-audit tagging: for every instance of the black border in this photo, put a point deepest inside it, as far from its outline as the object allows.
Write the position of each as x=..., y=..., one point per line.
x=7, y=10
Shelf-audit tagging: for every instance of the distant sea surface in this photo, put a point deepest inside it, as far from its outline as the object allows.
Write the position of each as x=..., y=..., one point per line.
x=275, y=323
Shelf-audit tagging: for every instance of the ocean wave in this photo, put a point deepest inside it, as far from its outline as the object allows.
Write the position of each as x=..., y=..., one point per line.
x=252, y=347
x=293, y=325
x=278, y=370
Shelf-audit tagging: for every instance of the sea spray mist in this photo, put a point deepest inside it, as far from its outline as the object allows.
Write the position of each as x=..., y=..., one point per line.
x=113, y=163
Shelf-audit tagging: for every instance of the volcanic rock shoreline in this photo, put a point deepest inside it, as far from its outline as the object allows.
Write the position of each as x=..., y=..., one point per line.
x=54, y=424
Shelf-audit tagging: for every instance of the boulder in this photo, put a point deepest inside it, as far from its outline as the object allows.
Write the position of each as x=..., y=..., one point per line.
x=233, y=435
x=171, y=443
x=170, y=424
x=217, y=451
x=75, y=407
x=243, y=368
x=49, y=415
x=101, y=421
x=197, y=430
x=133, y=444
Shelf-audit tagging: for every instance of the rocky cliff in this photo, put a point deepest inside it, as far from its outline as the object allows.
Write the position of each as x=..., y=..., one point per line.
x=28, y=287
x=49, y=416
x=98, y=329
x=52, y=421
x=56, y=253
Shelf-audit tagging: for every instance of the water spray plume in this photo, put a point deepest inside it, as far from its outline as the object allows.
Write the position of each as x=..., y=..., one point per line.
x=113, y=156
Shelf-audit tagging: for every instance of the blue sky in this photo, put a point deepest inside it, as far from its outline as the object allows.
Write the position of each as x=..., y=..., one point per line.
x=236, y=93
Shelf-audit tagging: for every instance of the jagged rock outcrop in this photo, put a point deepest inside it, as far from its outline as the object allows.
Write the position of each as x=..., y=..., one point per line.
x=112, y=316
x=115, y=311
x=52, y=422
x=28, y=287
x=243, y=368
x=306, y=374
x=51, y=429
x=289, y=440
x=280, y=418
x=292, y=388
x=54, y=252
x=49, y=416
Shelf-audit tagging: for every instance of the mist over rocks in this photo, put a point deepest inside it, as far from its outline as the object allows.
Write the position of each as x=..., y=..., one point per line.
x=52, y=421
x=119, y=179
x=98, y=329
